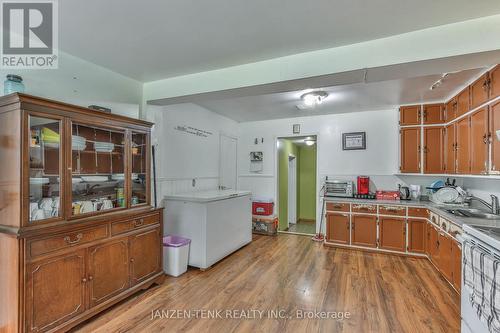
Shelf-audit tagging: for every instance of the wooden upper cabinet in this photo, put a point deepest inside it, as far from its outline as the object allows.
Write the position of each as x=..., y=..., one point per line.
x=108, y=270
x=495, y=137
x=480, y=91
x=445, y=262
x=410, y=115
x=416, y=235
x=338, y=228
x=451, y=109
x=495, y=82
x=433, y=150
x=433, y=114
x=450, y=157
x=479, y=141
x=456, y=263
x=364, y=230
x=410, y=150
x=145, y=255
x=463, y=146
x=463, y=101
x=392, y=233
x=56, y=291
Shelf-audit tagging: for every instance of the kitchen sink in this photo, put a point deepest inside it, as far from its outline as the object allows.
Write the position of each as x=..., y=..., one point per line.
x=472, y=212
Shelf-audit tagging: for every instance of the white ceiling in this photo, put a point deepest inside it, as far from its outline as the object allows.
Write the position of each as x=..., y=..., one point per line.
x=151, y=39
x=342, y=98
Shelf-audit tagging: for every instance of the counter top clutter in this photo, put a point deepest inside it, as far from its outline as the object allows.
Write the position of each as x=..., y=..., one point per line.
x=217, y=222
x=77, y=230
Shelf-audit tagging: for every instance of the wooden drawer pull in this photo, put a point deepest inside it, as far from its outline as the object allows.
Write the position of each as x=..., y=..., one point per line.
x=78, y=238
x=337, y=206
x=138, y=223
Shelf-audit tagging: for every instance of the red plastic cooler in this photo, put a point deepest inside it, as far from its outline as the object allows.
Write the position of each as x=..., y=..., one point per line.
x=262, y=206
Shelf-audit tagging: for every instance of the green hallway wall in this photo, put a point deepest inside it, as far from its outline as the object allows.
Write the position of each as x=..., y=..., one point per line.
x=307, y=182
x=286, y=147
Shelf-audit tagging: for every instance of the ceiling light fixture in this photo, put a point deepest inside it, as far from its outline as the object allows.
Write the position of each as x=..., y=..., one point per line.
x=309, y=142
x=313, y=98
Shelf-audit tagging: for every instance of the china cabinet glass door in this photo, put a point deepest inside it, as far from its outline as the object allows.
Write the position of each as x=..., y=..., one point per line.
x=98, y=169
x=44, y=168
x=140, y=151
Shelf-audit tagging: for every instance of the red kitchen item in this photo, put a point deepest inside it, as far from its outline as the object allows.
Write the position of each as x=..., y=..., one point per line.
x=363, y=184
x=262, y=207
x=387, y=195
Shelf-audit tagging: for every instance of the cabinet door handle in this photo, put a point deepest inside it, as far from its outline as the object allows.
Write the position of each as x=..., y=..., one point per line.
x=139, y=222
x=485, y=139
x=78, y=238
x=91, y=277
x=84, y=280
x=132, y=259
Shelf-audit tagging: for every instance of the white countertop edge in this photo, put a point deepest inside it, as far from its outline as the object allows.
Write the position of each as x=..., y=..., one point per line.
x=207, y=196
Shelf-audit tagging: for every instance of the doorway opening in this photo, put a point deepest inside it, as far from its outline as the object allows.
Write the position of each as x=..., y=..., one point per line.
x=297, y=163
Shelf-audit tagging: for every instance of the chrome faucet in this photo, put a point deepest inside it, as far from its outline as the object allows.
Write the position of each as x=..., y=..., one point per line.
x=494, y=207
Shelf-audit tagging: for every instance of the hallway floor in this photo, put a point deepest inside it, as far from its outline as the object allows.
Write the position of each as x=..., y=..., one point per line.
x=303, y=227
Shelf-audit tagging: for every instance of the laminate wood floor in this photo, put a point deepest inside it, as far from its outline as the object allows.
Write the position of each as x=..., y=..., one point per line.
x=290, y=273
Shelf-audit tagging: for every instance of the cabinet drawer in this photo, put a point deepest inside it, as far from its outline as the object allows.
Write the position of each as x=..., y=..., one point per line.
x=418, y=212
x=337, y=207
x=392, y=210
x=39, y=247
x=360, y=208
x=139, y=222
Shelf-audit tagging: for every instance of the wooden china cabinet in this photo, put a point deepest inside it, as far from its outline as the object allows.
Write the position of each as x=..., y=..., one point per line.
x=77, y=229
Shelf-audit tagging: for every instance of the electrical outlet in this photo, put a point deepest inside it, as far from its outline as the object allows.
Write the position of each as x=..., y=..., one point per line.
x=193, y=182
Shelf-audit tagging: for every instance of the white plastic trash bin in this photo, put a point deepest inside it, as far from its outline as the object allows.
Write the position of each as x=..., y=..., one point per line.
x=175, y=255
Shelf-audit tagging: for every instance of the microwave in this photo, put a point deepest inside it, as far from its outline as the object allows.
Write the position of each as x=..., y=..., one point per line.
x=339, y=188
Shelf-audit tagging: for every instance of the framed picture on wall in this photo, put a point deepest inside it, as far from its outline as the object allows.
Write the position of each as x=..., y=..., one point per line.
x=354, y=141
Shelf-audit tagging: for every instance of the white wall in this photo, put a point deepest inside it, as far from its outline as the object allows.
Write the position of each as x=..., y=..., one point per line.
x=83, y=83
x=380, y=159
x=182, y=157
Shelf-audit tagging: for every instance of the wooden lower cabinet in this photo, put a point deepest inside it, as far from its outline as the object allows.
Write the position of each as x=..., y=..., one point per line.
x=434, y=245
x=145, y=255
x=108, y=270
x=364, y=230
x=416, y=235
x=64, y=288
x=338, y=228
x=392, y=233
x=56, y=291
x=444, y=262
x=456, y=260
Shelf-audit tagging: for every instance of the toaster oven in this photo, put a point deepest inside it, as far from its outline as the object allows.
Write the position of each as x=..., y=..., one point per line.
x=339, y=188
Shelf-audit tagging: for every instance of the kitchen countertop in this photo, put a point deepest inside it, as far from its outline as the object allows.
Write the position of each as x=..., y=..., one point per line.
x=435, y=208
x=207, y=196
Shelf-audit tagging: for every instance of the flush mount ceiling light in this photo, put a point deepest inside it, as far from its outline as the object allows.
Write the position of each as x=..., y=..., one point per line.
x=313, y=98
x=309, y=142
